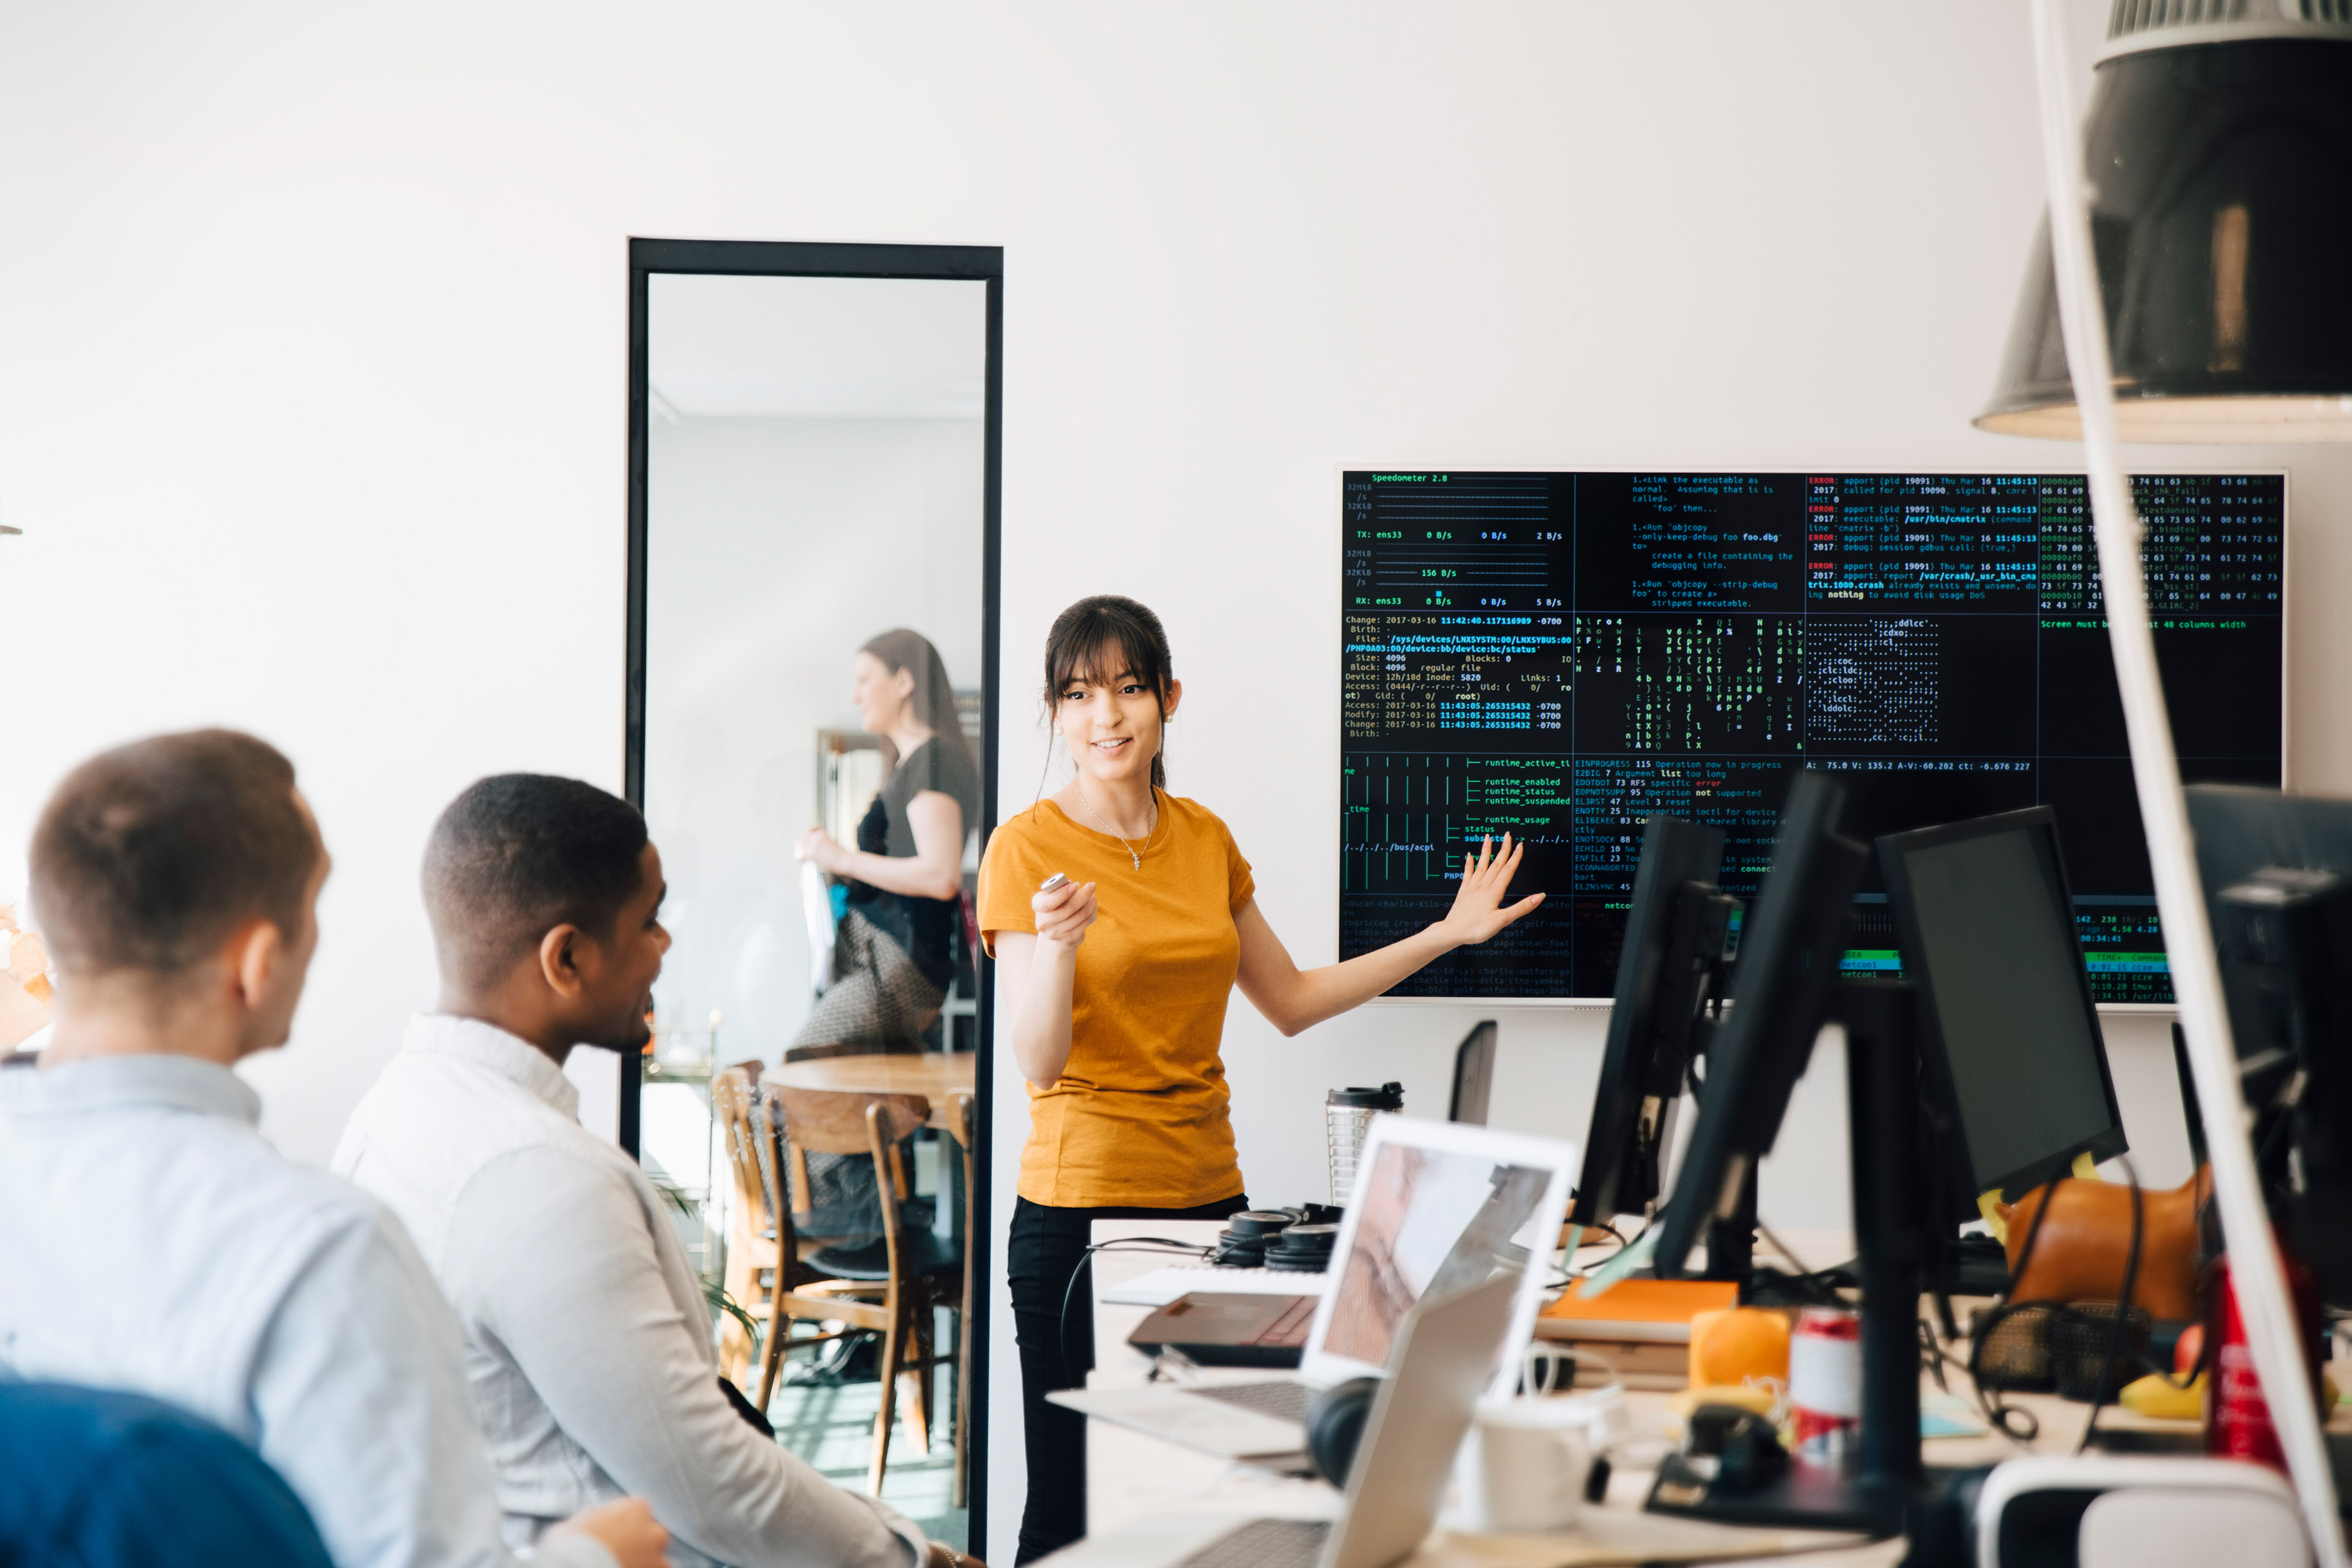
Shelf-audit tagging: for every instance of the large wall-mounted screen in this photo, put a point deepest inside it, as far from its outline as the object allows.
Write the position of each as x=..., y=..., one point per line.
x=1564, y=654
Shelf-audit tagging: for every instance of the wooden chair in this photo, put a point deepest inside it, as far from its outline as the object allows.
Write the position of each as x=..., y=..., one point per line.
x=960, y=1122
x=753, y=1235
x=891, y=1288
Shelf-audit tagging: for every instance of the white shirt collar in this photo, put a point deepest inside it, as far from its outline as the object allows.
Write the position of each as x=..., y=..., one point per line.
x=509, y=1056
x=106, y=1083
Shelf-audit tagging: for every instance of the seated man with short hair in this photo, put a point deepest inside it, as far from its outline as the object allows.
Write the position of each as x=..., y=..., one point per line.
x=152, y=1241
x=588, y=1334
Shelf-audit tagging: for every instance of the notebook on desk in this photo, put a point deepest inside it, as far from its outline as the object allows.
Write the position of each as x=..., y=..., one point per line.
x=1162, y=1286
x=1654, y=1310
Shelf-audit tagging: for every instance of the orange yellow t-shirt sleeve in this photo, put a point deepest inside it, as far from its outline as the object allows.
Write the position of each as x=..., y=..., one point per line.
x=1009, y=877
x=1241, y=887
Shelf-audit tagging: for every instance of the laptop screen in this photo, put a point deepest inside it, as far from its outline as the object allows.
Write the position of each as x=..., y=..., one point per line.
x=1431, y=1219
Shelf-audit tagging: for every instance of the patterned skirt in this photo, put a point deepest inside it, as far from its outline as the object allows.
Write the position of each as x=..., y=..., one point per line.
x=879, y=1002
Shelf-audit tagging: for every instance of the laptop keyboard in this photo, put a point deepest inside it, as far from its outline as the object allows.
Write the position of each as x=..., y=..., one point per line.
x=1284, y=1400
x=1265, y=1543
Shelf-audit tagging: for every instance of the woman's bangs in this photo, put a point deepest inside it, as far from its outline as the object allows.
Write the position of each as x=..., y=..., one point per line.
x=1118, y=650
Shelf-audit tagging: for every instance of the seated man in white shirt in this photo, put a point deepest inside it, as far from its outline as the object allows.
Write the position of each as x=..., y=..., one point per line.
x=153, y=1242
x=588, y=1335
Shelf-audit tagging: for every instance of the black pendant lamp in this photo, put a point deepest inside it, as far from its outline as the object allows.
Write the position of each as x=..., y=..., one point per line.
x=2219, y=153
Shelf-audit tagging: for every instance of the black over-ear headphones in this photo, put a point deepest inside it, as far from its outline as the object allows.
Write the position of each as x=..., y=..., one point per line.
x=1335, y=1425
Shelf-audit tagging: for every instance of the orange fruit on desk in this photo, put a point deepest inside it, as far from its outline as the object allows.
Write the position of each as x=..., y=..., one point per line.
x=1729, y=1347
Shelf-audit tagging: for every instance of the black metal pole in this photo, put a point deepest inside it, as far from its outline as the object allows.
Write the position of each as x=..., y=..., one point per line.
x=1890, y=1223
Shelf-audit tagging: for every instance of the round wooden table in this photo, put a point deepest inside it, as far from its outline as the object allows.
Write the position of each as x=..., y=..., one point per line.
x=937, y=1076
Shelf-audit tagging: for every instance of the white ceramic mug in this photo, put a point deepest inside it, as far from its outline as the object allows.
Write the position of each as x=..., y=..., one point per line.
x=1533, y=1460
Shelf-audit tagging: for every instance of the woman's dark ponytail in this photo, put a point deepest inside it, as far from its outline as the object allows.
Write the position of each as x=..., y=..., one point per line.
x=1103, y=635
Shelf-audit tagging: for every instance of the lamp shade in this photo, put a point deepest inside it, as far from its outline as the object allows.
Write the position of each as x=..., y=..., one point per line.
x=2219, y=156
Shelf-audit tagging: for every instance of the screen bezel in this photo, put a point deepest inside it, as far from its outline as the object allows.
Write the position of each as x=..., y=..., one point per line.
x=1951, y=1136
x=1605, y=463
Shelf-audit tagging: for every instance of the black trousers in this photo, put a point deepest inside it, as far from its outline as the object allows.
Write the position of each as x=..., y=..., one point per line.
x=1046, y=1264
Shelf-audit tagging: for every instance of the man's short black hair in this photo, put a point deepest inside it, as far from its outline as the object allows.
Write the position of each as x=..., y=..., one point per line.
x=149, y=856
x=520, y=854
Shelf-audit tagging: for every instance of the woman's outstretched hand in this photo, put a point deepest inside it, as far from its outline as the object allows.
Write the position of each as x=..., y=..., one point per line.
x=1477, y=912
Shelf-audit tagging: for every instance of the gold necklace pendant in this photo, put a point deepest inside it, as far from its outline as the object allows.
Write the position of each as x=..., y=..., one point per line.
x=1134, y=857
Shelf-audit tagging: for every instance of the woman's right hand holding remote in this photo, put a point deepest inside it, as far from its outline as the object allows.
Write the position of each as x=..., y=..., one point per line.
x=1064, y=913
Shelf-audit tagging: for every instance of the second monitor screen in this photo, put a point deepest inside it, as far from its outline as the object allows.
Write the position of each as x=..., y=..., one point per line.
x=1563, y=655
x=2023, y=1051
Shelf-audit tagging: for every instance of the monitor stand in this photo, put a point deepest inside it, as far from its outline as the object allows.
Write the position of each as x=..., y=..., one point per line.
x=1731, y=1254
x=1878, y=1486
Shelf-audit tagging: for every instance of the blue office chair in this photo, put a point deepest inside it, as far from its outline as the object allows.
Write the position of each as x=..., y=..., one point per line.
x=92, y=1478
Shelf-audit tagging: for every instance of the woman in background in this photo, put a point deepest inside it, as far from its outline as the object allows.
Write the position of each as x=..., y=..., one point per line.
x=1119, y=1027
x=894, y=952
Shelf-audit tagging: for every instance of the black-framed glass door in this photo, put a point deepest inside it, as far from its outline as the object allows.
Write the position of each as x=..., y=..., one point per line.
x=814, y=563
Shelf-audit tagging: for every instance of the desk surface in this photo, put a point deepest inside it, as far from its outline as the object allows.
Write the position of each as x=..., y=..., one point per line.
x=1137, y=1485
x=937, y=1076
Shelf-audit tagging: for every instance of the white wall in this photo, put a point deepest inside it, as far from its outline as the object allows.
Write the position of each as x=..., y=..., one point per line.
x=312, y=374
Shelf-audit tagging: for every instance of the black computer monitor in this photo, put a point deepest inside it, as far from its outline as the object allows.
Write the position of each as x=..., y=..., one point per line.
x=1789, y=951
x=2013, y=1070
x=1675, y=933
x=2277, y=871
x=1474, y=1076
x=2265, y=927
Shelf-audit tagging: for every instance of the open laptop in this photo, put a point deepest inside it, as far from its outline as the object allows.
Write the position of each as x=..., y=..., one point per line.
x=1446, y=1346
x=1438, y=1206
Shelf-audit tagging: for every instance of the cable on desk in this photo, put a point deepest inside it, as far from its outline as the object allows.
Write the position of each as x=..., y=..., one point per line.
x=1611, y=1231
x=1997, y=1410
x=1820, y=1282
x=2123, y=1307
x=1164, y=1246
x=1567, y=1268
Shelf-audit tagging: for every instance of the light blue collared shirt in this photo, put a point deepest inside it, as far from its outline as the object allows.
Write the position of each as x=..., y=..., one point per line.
x=151, y=1241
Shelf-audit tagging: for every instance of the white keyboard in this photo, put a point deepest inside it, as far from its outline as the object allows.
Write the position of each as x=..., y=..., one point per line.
x=1163, y=1285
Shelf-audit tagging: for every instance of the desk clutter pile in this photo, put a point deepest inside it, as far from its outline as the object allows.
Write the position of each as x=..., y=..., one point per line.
x=1672, y=1378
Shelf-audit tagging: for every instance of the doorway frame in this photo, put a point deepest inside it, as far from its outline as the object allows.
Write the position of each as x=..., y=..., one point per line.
x=784, y=258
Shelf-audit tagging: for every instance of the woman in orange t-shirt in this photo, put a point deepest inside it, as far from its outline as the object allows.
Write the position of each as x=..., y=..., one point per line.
x=1115, y=985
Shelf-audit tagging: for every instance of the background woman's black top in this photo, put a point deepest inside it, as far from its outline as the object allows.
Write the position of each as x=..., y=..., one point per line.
x=925, y=928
